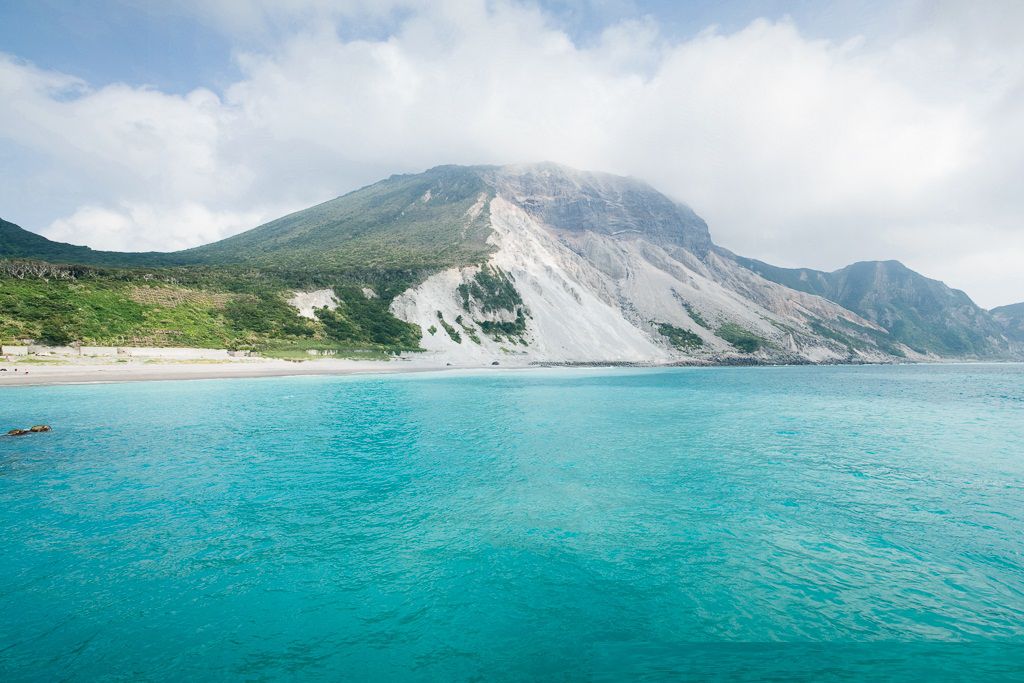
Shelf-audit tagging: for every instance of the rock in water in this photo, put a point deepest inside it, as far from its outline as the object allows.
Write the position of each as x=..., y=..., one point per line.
x=30, y=430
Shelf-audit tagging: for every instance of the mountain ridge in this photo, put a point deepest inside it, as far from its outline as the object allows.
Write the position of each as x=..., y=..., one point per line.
x=17, y=242
x=921, y=312
x=410, y=186
x=1011, y=317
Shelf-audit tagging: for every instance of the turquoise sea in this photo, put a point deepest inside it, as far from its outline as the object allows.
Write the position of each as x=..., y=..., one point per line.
x=796, y=523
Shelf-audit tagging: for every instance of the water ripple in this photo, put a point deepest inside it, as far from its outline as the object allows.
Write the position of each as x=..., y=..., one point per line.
x=782, y=523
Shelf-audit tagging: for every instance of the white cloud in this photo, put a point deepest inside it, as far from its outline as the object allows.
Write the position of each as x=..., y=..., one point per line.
x=146, y=227
x=799, y=151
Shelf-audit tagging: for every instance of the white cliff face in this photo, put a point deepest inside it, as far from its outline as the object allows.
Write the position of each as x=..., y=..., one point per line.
x=438, y=295
x=593, y=297
x=307, y=302
x=567, y=318
x=573, y=312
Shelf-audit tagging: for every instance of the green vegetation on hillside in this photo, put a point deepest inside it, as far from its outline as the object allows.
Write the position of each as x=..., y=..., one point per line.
x=372, y=321
x=109, y=311
x=491, y=290
x=265, y=315
x=392, y=233
x=469, y=329
x=857, y=337
x=188, y=307
x=18, y=243
x=696, y=317
x=514, y=329
x=742, y=339
x=680, y=338
x=388, y=236
x=453, y=333
x=405, y=226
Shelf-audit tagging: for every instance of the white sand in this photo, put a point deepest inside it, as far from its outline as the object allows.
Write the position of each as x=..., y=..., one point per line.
x=94, y=370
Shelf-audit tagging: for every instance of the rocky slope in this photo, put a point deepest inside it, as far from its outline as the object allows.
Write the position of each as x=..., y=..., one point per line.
x=918, y=312
x=607, y=269
x=1011, y=318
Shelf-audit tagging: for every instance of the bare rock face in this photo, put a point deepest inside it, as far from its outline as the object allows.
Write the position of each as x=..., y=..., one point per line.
x=580, y=201
x=589, y=296
x=40, y=428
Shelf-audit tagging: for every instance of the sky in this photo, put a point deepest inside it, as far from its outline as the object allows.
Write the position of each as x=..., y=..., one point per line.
x=808, y=134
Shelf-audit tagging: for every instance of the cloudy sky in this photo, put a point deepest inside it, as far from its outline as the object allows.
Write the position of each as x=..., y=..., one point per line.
x=806, y=133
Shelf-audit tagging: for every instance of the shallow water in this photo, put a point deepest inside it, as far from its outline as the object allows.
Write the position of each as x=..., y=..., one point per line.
x=809, y=523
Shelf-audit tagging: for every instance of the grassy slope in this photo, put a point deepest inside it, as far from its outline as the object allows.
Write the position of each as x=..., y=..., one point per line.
x=399, y=225
x=18, y=243
x=189, y=307
x=387, y=236
x=394, y=229
x=112, y=312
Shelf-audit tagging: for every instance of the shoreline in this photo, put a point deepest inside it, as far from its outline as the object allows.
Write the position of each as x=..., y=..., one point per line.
x=26, y=374
x=41, y=374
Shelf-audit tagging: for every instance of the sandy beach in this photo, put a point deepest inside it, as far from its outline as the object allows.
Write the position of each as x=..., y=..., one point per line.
x=88, y=371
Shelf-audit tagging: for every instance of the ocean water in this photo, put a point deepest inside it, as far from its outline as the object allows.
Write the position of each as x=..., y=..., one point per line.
x=805, y=523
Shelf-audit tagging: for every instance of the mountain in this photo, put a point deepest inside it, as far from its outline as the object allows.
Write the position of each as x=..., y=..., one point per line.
x=531, y=262
x=924, y=314
x=426, y=221
x=590, y=266
x=390, y=225
x=18, y=243
x=1011, y=318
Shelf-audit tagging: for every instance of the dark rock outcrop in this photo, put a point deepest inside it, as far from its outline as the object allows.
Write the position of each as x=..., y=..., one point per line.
x=34, y=429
